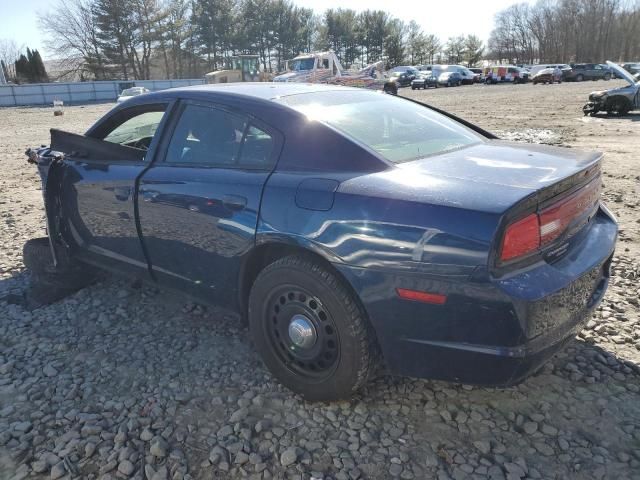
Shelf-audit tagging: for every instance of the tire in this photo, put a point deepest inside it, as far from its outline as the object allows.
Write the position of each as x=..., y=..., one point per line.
x=343, y=354
x=391, y=89
x=607, y=76
x=36, y=256
x=618, y=107
x=579, y=78
x=412, y=87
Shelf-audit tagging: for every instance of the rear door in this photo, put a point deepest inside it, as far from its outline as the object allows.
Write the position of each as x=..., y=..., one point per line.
x=98, y=185
x=199, y=203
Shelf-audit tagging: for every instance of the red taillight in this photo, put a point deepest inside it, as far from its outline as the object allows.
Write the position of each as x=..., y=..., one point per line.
x=539, y=229
x=555, y=219
x=521, y=238
x=419, y=296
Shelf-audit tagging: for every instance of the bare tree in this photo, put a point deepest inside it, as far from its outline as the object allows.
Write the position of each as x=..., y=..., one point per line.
x=9, y=53
x=72, y=32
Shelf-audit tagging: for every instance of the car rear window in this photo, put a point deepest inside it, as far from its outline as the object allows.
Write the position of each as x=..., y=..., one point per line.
x=396, y=129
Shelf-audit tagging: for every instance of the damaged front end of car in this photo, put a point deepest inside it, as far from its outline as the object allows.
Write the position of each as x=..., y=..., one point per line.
x=53, y=273
x=48, y=163
x=615, y=101
x=597, y=102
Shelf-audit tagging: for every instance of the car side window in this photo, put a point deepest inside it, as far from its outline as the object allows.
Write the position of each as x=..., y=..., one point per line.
x=134, y=128
x=256, y=148
x=206, y=136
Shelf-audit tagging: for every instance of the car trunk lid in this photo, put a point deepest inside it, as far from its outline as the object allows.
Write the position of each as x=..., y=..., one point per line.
x=509, y=164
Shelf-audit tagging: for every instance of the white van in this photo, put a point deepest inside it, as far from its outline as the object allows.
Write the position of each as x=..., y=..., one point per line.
x=468, y=77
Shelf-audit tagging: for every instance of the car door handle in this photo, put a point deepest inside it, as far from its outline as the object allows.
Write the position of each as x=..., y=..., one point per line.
x=234, y=202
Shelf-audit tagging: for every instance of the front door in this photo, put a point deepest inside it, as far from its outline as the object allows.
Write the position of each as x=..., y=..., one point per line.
x=199, y=205
x=98, y=185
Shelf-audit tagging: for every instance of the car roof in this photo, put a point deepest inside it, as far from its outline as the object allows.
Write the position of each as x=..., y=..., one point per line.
x=257, y=90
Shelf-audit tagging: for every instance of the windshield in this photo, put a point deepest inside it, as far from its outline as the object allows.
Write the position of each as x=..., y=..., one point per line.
x=399, y=130
x=301, y=64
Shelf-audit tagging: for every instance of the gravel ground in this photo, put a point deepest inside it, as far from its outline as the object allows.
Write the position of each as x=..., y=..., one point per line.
x=123, y=381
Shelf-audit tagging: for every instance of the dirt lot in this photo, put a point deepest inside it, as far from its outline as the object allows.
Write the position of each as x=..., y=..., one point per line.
x=119, y=381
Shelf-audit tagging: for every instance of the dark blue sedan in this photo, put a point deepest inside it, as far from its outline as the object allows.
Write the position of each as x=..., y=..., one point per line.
x=353, y=229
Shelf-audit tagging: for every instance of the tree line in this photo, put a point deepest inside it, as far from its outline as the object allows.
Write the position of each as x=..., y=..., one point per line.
x=567, y=31
x=140, y=39
x=19, y=67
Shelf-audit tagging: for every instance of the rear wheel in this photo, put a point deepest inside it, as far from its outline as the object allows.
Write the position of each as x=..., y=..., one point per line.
x=310, y=330
x=579, y=78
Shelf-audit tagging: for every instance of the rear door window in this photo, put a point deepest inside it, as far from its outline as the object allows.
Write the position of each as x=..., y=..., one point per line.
x=206, y=136
x=210, y=136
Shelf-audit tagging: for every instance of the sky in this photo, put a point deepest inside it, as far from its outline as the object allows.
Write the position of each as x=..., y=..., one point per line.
x=18, y=20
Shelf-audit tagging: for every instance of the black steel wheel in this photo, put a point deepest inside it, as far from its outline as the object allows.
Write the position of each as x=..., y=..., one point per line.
x=310, y=330
x=302, y=333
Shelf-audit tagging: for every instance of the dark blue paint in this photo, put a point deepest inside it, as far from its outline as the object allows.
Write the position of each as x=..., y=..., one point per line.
x=431, y=225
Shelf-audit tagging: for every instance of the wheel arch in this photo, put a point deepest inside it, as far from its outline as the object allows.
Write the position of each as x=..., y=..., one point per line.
x=624, y=99
x=271, y=249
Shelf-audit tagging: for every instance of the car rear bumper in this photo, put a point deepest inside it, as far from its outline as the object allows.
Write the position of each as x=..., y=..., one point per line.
x=495, y=332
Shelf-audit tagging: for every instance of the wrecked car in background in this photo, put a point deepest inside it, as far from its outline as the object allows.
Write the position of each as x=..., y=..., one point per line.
x=615, y=101
x=351, y=228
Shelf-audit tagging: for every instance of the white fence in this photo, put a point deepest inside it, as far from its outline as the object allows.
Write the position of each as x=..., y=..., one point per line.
x=79, y=92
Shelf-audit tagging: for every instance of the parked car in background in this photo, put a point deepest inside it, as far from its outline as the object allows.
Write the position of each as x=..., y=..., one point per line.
x=587, y=71
x=478, y=76
x=615, y=101
x=546, y=76
x=131, y=92
x=466, y=75
x=354, y=230
x=565, y=68
x=411, y=72
x=450, y=79
x=631, y=67
x=401, y=79
x=424, y=80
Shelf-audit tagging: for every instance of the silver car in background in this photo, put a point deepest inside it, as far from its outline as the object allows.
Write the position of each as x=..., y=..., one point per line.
x=131, y=92
x=615, y=101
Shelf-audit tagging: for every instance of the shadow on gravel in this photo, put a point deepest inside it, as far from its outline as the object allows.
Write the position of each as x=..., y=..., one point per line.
x=111, y=359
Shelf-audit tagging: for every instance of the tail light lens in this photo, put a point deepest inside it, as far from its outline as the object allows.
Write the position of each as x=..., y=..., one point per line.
x=539, y=229
x=520, y=238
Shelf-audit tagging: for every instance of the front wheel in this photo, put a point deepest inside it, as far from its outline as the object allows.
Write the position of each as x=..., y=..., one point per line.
x=310, y=330
x=391, y=89
x=618, y=107
x=607, y=76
